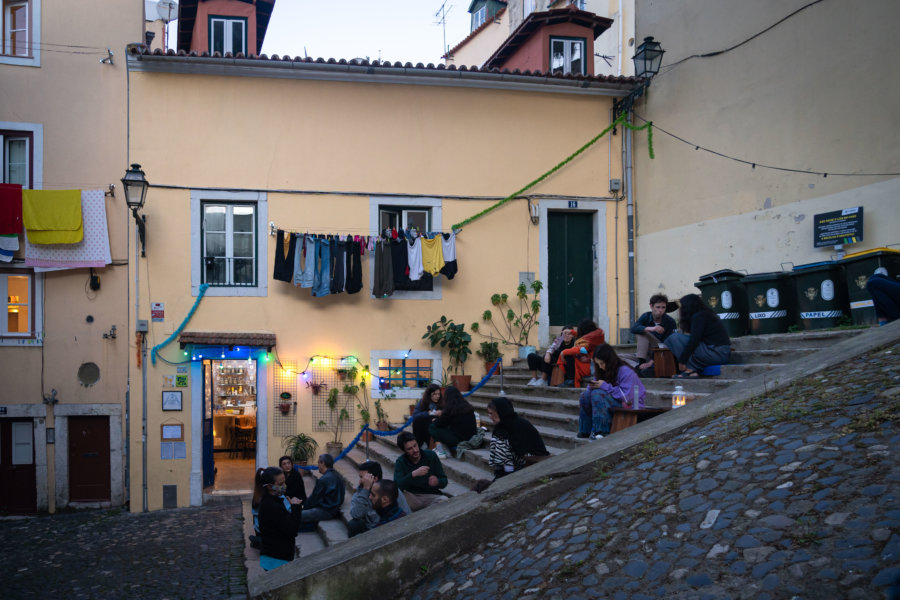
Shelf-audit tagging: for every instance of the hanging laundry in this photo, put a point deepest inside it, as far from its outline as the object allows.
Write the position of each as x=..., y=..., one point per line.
x=432, y=254
x=9, y=245
x=414, y=258
x=384, y=271
x=322, y=279
x=354, y=268
x=285, y=244
x=448, y=245
x=305, y=272
x=91, y=251
x=400, y=264
x=10, y=209
x=52, y=216
x=338, y=265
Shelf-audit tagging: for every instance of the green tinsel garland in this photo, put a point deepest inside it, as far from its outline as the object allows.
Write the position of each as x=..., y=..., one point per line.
x=620, y=121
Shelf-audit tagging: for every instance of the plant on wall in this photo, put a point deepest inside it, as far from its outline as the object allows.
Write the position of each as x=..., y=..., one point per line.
x=301, y=447
x=518, y=317
x=339, y=414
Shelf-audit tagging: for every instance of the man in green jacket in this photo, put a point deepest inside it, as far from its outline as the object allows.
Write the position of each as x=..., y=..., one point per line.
x=418, y=473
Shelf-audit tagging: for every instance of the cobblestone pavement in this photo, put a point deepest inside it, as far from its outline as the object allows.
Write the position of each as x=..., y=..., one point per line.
x=181, y=553
x=790, y=495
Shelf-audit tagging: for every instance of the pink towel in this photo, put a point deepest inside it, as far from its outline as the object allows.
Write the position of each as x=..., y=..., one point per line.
x=10, y=208
x=92, y=251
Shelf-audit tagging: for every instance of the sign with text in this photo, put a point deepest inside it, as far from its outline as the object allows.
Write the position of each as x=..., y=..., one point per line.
x=838, y=227
x=157, y=311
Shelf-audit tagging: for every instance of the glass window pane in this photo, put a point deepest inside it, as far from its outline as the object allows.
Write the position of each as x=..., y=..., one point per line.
x=388, y=219
x=237, y=36
x=243, y=271
x=215, y=244
x=557, y=55
x=16, y=166
x=243, y=245
x=18, y=30
x=417, y=219
x=577, y=57
x=17, y=289
x=215, y=218
x=22, y=443
x=17, y=319
x=214, y=271
x=243, y=218
x=218, y=36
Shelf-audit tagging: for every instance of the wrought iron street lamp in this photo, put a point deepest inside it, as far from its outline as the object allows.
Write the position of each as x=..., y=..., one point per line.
x=135, y=185
x=647, y=60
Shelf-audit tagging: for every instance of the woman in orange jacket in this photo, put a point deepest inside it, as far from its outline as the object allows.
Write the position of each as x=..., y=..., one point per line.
x=576, y=361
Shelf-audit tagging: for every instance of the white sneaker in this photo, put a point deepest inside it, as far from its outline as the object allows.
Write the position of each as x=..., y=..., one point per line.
x=596, y=436
x=440, y=451
x=532, y=381
x=541, y=383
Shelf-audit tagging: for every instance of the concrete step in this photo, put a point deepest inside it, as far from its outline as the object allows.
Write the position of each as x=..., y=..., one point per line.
x=538, y=417
x=517, y=376
x=801, y=339
x=309, y=543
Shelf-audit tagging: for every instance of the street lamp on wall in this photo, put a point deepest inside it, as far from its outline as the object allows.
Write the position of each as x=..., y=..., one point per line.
x=647, y=60
x=135, y=185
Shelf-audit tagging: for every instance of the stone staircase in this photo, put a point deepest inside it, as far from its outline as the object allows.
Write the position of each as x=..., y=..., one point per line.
x=554, y=412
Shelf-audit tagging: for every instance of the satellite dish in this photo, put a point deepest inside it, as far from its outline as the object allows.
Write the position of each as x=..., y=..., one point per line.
x=167, y=10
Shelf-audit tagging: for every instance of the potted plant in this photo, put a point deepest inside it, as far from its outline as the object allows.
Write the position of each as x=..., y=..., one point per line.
x=365, y=414
x=452, y=336
x=339, y=415
x=285, y=405
x=301, y=447
x=489, y=353
x=519, y=317
x=381, y=417
x=315, y=387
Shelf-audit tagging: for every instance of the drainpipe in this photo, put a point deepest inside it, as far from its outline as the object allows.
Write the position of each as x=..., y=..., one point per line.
x=629, y=192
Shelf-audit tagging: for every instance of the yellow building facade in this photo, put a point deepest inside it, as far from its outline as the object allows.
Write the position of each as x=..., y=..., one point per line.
x=247, y=147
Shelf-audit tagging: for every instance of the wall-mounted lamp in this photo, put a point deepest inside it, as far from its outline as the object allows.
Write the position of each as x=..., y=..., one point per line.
x=135, y=185
x=647, y=60
x=534, y=211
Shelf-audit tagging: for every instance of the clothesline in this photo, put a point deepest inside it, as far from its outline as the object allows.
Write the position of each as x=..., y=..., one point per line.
x=273, y=230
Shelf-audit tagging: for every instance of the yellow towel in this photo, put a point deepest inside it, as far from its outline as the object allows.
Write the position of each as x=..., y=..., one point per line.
x=52, y=216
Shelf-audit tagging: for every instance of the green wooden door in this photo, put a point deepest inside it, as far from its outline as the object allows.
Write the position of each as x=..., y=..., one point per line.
x=570, y=263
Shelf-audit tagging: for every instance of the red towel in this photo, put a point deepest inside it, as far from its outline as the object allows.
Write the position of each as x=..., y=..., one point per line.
x=10, y=208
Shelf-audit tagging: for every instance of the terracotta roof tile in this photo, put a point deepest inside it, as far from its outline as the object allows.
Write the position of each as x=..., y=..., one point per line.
x=259, y=339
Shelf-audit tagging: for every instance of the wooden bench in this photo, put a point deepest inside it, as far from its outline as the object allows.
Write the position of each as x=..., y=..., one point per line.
x=623, y=418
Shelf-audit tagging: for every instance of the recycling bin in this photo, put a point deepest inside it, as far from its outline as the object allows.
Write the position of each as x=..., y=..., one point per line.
x=858, y=267
x=724, y=291
x=820, y=290
x=770, y=302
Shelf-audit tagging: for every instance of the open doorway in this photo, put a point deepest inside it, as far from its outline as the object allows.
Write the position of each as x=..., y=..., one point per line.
x=230, y=425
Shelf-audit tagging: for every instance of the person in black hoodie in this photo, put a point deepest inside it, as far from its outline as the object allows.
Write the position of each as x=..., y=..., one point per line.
x=515, y=443
x=705, y=341
x=292, y=479
x=279, y=521
x=456, y=423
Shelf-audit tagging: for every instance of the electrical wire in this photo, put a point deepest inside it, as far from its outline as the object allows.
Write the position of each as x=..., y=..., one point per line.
x=754, y=164
x=669, y=67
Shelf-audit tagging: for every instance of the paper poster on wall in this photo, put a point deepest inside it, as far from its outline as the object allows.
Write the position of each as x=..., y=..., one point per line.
x=181, y=370
x=181, y=381
x=180, y=449
x=168, y=381
x=166, y=451
x=157, y=311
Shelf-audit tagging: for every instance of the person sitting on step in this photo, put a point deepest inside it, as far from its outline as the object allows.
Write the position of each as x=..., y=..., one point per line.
x=385, y=496
x=617, y=383
x=292, y=478
x=576, y=361
x=455, y=424
x=705, y=341
x=363, y=515
x=542, y=367
x=279, y=521
x=885, y=294
x=515, y=443
x=649, y=331
x=418, y=473
x=426, y=411
x=327, y=497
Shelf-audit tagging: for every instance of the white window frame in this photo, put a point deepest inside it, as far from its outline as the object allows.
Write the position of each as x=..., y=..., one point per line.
x=479, y=17
x=528, y=7
x=33, y=337
x=229, y=23
x=198, y=198
x=567, y=54
x=5, y=157
x=375, y=202
x=33, y=153
x=229, y=235
x=33, y=29
x=437, y=368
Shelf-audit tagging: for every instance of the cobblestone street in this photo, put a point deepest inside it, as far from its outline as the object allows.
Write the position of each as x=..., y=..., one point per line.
x=791, y=495
x=181, y=553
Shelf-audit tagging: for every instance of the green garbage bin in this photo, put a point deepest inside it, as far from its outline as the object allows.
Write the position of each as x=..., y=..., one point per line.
x=858, y=267
x=821, y=292
x=770, y=302
x=724, y=291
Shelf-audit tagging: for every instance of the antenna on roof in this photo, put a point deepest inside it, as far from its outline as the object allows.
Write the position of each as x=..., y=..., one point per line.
x=441, y=16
